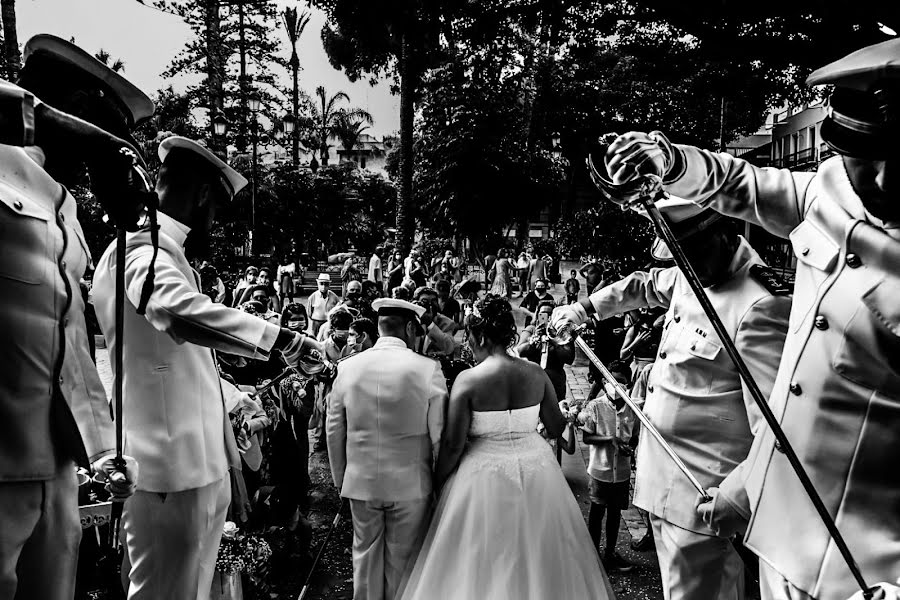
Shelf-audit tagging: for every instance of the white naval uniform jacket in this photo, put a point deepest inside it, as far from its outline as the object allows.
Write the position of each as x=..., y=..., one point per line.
x=52, y=403
x=174, y=417
x=695, y=396
x=385, y=419
x=837, y=394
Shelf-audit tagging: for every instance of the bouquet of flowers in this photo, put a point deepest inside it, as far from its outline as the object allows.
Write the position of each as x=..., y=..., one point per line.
x=241, y=553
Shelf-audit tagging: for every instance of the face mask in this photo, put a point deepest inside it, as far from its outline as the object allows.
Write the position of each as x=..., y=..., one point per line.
x=340, y=335
x=610, y=390
x=296, y=325
x=352, y=340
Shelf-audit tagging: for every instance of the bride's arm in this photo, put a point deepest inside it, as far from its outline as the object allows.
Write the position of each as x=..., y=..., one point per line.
x=456, y=427
x=551, y=416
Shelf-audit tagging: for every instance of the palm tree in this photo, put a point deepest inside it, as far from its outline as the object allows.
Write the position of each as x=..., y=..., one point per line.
x=295, y=25
x=349, y=129
x=10, y=39
x=326, y=116
x=104, y=57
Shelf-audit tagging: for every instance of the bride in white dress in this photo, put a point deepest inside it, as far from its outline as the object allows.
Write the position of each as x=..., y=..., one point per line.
x=506, y=525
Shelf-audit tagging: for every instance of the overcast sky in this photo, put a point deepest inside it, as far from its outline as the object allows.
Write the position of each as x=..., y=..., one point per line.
x=147, y=40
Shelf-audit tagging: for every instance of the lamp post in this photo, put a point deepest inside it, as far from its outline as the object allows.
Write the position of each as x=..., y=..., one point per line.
x=253, y=103
x=219, y=127
x=556, y=140
x=289, y=125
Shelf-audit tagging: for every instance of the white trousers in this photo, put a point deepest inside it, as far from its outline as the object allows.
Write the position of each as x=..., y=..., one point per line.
x=694, y=566
x=40, y=535
x=773, y=586
x=384, y=535
x=172, y=539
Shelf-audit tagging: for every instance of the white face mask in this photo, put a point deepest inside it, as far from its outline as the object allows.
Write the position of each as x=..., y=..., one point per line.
x=610, y=390
x=296, y=325
x=352, y=340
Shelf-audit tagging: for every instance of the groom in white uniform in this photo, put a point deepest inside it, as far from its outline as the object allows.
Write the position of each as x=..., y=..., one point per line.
x=384, y=424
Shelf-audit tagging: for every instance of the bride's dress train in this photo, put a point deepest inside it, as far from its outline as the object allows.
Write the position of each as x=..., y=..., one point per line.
x=506, y=525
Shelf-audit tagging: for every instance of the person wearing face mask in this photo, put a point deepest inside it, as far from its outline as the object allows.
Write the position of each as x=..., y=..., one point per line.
x=294, y=317
x=293, y=403
x=534, y=298
x=837, y=394
x=320, y=303
x=363, y=335
x=695, y=395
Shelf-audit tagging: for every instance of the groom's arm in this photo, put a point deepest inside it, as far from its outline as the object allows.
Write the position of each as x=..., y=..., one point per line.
x=437, y=408
x=336, y=432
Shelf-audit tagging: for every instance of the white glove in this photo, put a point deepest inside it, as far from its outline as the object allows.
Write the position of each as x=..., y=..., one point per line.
x=636, y=153
x=570, y=313
x=720, y=514
x=120, y=483
x=886, y=591
x=249, y=406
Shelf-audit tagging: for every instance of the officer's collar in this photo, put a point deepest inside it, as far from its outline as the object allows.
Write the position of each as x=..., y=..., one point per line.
x=176, y=230
x=743, y=255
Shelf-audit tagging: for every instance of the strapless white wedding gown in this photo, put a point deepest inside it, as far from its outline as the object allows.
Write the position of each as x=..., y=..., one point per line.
x=506, y=525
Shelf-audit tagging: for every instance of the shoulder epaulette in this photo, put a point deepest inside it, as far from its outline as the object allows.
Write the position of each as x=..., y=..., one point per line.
x=770, y=279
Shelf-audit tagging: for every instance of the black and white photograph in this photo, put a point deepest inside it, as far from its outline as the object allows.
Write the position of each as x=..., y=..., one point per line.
x=449, y=300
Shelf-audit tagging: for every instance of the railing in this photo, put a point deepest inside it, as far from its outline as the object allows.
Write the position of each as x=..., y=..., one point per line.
x=799, y=159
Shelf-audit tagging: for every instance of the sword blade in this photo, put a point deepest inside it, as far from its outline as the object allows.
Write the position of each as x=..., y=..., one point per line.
x=648, y=425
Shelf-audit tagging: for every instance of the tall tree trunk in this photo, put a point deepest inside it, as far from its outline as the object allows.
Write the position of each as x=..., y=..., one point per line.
x=10, y=39
x=405, y=198
x=539, y=59
x=241, y=141
x=214, y=72
x=295, y=104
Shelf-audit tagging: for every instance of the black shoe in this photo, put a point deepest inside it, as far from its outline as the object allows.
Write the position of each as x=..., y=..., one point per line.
x=614, y=562
x=644, y=544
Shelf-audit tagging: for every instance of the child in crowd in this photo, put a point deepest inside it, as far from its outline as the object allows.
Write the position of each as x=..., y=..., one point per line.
x=607, y=425
x=572, y=287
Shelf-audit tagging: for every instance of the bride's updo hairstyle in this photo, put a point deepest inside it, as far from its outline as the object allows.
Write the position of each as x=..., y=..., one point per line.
x=492, y=320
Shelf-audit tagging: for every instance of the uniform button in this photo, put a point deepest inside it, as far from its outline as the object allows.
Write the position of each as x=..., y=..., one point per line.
x=18, y=204
x=853, y=261
x=63, y=264
x=662, y=355
x=779, y=447
x=60, y=380
x=693, y=346
x=821, y=322
x=804, y=251
x=677, y=319
x=650, y=388
x=795, y=388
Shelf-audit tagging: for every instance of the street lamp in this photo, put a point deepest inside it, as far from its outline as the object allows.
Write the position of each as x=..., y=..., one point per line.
x=253, y=103
x=289, y=124
x=220, y=124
